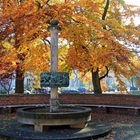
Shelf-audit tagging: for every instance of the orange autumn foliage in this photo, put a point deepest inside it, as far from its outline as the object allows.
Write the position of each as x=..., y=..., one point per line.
x=91, y=42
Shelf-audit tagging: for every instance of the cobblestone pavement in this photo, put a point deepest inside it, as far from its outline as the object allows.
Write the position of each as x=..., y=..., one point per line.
x=125, y=127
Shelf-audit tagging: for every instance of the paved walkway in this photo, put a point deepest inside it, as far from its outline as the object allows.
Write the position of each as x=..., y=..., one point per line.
x=127, y=132
x=124, y=127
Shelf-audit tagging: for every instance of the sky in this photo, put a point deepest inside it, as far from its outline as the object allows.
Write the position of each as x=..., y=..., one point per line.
x=134, y=2
x=137, y=19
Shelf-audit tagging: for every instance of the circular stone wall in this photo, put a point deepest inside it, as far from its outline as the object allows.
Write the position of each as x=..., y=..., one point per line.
x=74, y=116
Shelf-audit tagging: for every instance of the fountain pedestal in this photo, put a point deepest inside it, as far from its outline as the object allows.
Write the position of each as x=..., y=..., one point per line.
x=73, y=116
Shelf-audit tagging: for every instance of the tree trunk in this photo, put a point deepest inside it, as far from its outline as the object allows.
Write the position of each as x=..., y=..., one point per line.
x=95, y=75
x=132, y=82
x=96, y=82
x=19, y=83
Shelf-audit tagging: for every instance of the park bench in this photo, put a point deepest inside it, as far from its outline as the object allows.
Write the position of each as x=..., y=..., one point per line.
x=107, y=108
x=13, y=108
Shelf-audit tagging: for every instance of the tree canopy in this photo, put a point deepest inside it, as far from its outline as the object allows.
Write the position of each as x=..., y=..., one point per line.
x=95, y=35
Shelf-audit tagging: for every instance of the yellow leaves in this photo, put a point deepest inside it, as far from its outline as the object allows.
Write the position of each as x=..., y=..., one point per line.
x=6, y=44
x=36, y=80
x=13, y=62
x=115, y=26
x=86, y=77
x=15, y=10
x=90, y=4
x=76, y=58
x=8, y=57
x=63, y=66
x=7, y=50
x=37, y=54
x=80, y=18
x=56, y=1
x=136, y=62
x=90, y=44
x=104, y=86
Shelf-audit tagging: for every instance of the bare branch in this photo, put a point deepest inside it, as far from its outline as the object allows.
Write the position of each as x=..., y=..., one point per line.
x=106, y=74
x=44, y=40
x=105, y=10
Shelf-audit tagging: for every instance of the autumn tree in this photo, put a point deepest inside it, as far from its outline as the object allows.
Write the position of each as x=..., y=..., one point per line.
x=98, y=42
x=7, y=65
x=95, y=33
x=6, y=82
x=22, y=24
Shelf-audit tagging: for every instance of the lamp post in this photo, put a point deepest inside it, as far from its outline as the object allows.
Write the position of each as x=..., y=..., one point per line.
x=54, y=30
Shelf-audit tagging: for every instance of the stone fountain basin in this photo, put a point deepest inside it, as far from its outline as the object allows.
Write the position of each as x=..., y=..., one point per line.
x=75, y=116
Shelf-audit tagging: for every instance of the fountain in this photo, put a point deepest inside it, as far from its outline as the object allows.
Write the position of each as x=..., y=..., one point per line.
x=53, y=121
x=55, y=114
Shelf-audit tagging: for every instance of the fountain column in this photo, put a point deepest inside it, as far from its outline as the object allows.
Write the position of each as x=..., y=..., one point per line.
x=54, y=30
